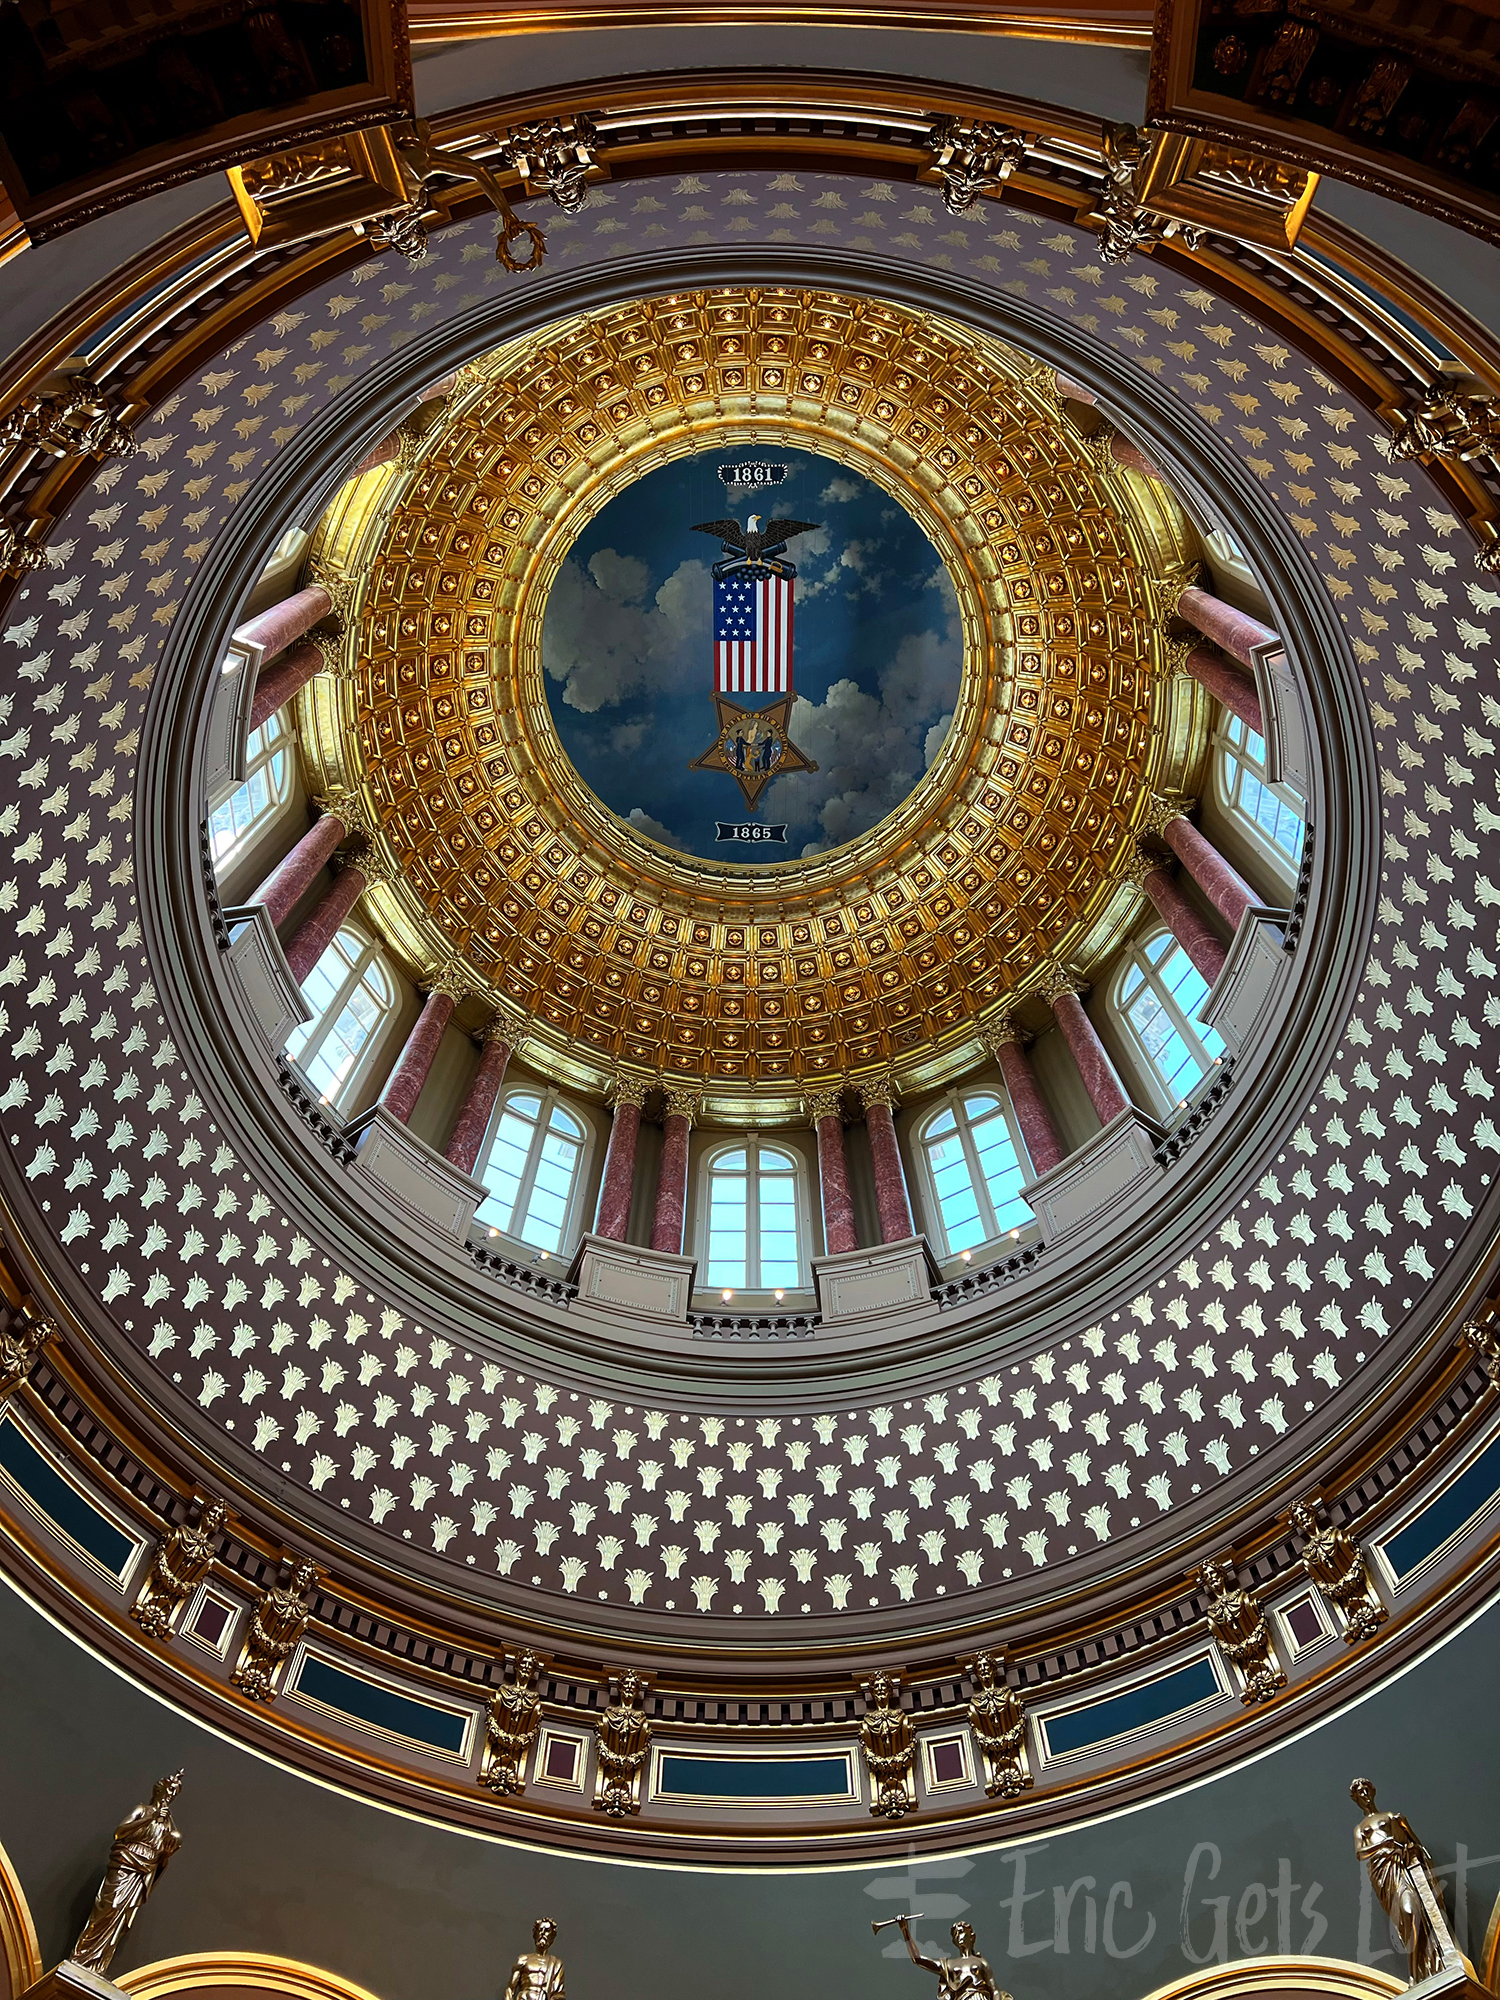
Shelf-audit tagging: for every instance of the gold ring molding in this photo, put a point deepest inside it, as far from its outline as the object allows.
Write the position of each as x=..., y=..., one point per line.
x=889, y=950
x=239, y=1972
x=21, y=1952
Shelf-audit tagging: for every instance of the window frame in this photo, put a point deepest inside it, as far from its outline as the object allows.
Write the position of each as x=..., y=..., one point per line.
x=551, y=1099
x=281, y=741
x=1226, y=752
x=371, y=956
x=953, y=1100
x=1187, y=1026
x=751, y=1145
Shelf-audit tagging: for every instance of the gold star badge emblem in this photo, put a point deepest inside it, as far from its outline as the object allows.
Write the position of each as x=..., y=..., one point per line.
x=753, y=746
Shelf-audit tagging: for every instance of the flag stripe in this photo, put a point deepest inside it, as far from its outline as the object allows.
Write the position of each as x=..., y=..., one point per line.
x=757, y=659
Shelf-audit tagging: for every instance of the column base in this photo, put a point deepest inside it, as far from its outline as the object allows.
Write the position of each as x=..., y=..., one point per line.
x=72, y=1982
x=866, y=1284
x=1119, y=1159
x=628, y=1278
x=414, y=1174
x=255, y=953
x=1253, y=971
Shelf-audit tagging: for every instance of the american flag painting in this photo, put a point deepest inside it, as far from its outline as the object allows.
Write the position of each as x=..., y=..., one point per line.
x=753, y=632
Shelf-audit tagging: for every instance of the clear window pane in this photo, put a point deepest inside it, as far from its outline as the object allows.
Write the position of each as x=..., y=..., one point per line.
x=264, y=789
x=531, y=1170
x=1163, y=1014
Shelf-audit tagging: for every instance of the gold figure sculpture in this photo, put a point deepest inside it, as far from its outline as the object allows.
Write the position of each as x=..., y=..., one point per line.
x=537, y=1975
x=1244, y=1637
x=144, y=1842
x=20, y=1344
x=624, y=1738
x=276, y=1624
x=966, y=1976
x=1400, y=1870
x=180, y=1565
x=885, y=1736
x=515, y=1715
x=1483, y=1341
x=999, y=1725
x=1335, y=1563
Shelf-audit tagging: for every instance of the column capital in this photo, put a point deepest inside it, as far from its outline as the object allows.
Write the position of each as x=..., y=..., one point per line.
x=1166, y=591
x=683, y=1102
x=451, y=980
x=1139, y=863
x=820, y=1104
x=1160, y=813
x=1001, y=1033
x=349, y=806
x=378, y=869
x=880, y=1090
x=1175, y=653
x=1058, y=980
x=342, y=591
x=507, y=1024
x=628, y=1090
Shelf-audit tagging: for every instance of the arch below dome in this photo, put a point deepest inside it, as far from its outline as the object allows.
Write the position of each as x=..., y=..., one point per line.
x=238, y=1975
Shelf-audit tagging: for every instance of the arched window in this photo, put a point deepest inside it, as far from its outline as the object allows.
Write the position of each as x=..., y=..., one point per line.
x=754, y=1238
x=974, y=1168
x=533, y=1169
x=267, y=785
x=1158, y=995
x=350, y=993
x=1247, y=793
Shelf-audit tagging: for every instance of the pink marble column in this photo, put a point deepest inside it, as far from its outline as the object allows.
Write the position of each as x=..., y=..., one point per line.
x=284, y=623
x=617, y=1188
x=1075, y=391
x=1227, y=684
x=1100, y=1078
x=276, y=685
x=287, y=884
x=414, y=1064
x=892, y=1201
x=671, y=1182
x=318, y=932
x=1188, y=925
x=380, y=454
x=839, y=1233
x=1228, y=891
x=1035, y=1120
x=1236, y=631
x=478, y=1106
x=1123, y=452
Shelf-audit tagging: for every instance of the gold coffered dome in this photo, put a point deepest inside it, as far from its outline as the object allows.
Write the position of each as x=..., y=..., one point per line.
x=1010, y=855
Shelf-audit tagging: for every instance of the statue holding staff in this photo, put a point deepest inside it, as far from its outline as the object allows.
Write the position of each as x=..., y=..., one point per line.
x=144, y=1842
x=1400, y=1870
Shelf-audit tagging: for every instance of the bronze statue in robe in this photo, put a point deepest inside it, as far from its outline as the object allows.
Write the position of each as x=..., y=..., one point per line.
x=144, y=1843
x=180, y=1565
x=1244, y=1637
x=999, y=1725
x=624, y=1738
x=1334, y=1562
x=1400, y=1870
x=276, y=1624
x=537, y=1975
x=515, y=1715
x=885, y=1735
x=966, y=1976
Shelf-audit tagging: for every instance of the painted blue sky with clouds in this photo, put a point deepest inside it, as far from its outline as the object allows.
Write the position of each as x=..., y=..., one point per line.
x=627, y=648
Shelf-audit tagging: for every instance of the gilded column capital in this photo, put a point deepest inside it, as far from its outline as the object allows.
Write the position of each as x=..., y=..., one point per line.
x=452, y=980
x=1160, y=813
x=682, y=1102
x=1139, y=863
x=1001, y=1033
x=1175, y=653
x=629, y=1090
x=824, y=1104
x=343, y=591
x=349, y=806
x=1057, y=981
x=379, y=870
x=880, y=1090
x=506, y=1024
x=1166, y=591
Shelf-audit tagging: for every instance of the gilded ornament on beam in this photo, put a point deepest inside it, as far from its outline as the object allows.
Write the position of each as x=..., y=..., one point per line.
x=182, y=1560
